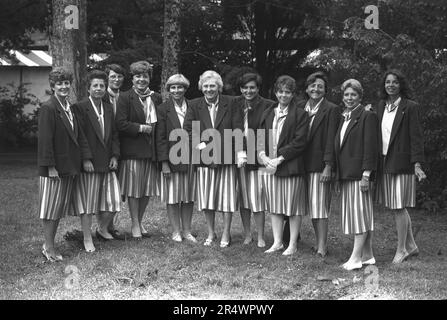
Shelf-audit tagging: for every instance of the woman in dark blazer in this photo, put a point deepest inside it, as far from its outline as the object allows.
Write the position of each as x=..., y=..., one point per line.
x=319, y=157
x=136, y=118
x=98, y=192
x=402, y=154
x=208, y=117
x=251, y=106
x=61, y=149
x=178, y=178
x=282, y=153
x=356, y=161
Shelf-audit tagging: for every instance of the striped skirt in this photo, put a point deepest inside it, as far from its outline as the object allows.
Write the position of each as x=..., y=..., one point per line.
x=319, y=196
x=139, y=178
x=356, y=208
x=96, y=192
x=217, y=188
x=284, y=195
x=396, y=191
x=55, y=197
x=179, y=187
x=250, y=190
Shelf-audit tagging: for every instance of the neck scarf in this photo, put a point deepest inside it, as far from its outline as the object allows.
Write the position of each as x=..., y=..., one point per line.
x=390, y=107
x=347, y=114
x=148, y=105
x=113, y=98
x=67, y=110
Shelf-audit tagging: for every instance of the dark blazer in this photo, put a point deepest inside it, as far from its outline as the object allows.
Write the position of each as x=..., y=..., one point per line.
x=167, y=122
x=292, y=140
x=406, y=145
x=226, y=118
x=129, y=117
x=259, y=105
x=358, y=151
x=59, y=145
x=102, y=149
x=320, y=140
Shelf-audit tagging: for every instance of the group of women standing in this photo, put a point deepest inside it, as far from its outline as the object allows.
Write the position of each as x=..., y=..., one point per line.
x=291, y=153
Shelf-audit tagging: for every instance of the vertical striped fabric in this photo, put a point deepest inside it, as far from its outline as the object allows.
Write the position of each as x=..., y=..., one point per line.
x=217, y=188
x=319, y=196
x=396, y=191
x=55, y=197
x=356, y=208
x=96, y=192
x=284, y=195
x=250, y=190
x=139, y=178
x=179, y=187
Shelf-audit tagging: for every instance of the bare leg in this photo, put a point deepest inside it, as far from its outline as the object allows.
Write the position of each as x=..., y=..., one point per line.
x=86, y=222
x=104, y=218
x=50, y=228
x=410, y=244
x=317, y=236
x=367, y=252
x=134, y=208
x=186, y=217
x=142, y=208
x=322, y=235
x=174, y=218
x=226, y=235
x=260, y=223
x=401, y=216
x=355, y=261
x=209, y=216
x=295, y=226
x=246, y=217
x=278, y=229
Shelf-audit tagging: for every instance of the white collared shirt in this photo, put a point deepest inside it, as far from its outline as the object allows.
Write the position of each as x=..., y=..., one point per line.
x=277, y=126
x=312, y=111
x=181, y=111
x=387, y=126
x=67, y=110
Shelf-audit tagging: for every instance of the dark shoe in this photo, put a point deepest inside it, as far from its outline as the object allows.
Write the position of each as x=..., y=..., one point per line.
x=117, y=235
x=145, y=235
x=100, y=237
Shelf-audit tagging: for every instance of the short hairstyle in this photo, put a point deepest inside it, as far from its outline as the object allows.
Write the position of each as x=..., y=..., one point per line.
x=96, y=74
x=354, y=84
x=285, y=81
x=140, y=67
x=248, y=77
x=405, y=90
x=317, y=75
x=116, y=68
x=179, y=79
x=59, y=74
x=211, y=75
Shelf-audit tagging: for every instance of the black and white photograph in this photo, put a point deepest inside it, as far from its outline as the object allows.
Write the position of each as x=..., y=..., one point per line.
x=223, y=157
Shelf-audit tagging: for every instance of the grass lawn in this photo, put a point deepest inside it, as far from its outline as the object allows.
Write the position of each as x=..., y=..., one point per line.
x=158, y=268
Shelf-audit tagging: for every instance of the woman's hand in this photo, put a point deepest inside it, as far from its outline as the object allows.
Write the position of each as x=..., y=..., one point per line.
x=420, y=174
x=326, y=175
x=166, y=169
x=113, y=164
x=52, y=172
x=337, y=187
x=146, y=128
x=88, y=166
x=364, y=184
x=276, y=162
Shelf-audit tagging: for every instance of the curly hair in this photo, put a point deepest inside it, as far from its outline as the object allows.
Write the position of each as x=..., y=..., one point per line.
x=404, y=91
x=285, y=81
x=314, y=76
x=96, y=74
x=211, y=74
x=248, y=77
x=59, y=74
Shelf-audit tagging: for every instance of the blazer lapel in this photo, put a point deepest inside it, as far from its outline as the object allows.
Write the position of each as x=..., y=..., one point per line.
x=399, y=116
x=71, y=130
x=318, y=117
x=94, y=120
x=108, y=118
x=222, y=109
x=204, y=114
x=136, y=104
x=354, y=120
x=287, y=124
x=171, y=113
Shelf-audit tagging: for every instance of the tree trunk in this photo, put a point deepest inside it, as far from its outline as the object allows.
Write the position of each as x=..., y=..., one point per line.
x=260, y=43
x=171, y=42
x=68, y=42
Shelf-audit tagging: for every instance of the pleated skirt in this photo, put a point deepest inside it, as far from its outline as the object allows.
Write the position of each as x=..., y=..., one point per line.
x=250, y=190
x=396, y=191
x=179, y=187
x=319, y=196
x=139, y=178
x=284, y=195
x=55, y=197
x=217, y=188
x=96, y=192
x=356, y=208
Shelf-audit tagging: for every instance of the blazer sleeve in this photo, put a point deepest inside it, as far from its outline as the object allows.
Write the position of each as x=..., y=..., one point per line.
x=297, y=145
x=46, y=124
x=123, y=123
x=189, y=118
x=115, y=140
x=162, y=134
x=416, y=135
x=332, y=126
x=370, y=142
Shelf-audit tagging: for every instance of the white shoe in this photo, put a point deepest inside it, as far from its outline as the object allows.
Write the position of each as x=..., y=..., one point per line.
x=370, y=261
